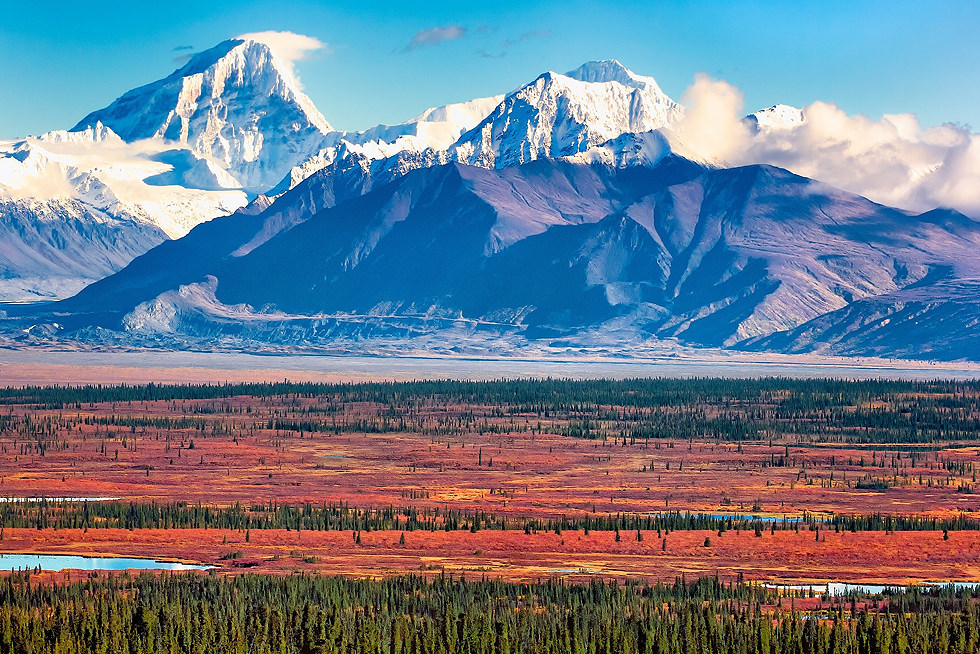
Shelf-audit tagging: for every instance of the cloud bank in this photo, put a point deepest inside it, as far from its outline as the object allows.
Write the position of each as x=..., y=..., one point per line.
x=288, y=47
x=893, y=160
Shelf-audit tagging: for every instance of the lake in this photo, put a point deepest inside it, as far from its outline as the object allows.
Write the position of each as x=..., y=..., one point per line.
x=59, y=499
x=58, y=562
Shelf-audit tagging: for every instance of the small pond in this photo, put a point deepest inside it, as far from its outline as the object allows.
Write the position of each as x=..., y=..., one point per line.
x=726, y=516
x=59, y=499
x=58, y=562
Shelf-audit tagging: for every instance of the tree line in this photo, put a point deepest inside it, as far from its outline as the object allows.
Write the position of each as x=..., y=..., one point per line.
x=811, y=410
x=329, y=516
x=409, y=615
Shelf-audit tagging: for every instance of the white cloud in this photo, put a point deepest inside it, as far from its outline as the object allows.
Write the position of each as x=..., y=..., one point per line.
x=712, y=125
x=435, y=35
x=288, y=47
x=893, y=160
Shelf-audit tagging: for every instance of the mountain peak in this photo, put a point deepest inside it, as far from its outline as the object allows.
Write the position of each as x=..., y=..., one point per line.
x=611, y=70
x=562, y=115
x=776, y=117
x=236, y=104
x=201, y=61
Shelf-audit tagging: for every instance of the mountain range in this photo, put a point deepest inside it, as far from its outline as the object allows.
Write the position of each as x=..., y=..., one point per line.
x=218, y=208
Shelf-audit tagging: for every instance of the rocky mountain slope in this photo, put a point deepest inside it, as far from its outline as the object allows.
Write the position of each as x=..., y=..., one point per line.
x=554, y=249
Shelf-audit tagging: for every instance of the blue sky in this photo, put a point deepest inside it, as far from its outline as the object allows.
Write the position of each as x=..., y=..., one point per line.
x=60, y=60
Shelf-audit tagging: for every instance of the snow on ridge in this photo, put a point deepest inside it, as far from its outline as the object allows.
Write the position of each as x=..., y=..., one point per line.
x=97, y=133
x=137, y=181
x=627, y=150
x=777, y=117
x=77, y=206
x=435, y=129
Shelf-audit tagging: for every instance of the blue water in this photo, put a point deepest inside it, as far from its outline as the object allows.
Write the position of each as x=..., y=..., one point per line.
x=733, y=516
x=59, y=499
x=58, y=562
x=750, y=517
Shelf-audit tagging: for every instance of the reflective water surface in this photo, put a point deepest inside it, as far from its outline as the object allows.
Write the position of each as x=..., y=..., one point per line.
x=57, y=562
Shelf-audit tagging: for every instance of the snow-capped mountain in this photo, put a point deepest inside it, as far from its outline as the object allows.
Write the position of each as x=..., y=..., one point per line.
x=553, y=116
x=236, y=105
x=560, y=115
x=600, y=111
x=168, y=189
x=78, y=205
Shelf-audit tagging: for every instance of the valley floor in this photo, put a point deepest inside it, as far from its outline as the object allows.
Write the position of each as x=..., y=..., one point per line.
x=36, y=365
x=783, y=557
x=794, y=481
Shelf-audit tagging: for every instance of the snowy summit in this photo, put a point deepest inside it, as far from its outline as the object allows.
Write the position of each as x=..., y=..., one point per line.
x=236, y=104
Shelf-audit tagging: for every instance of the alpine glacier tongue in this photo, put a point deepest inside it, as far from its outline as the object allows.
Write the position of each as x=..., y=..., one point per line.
x=236, y=104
